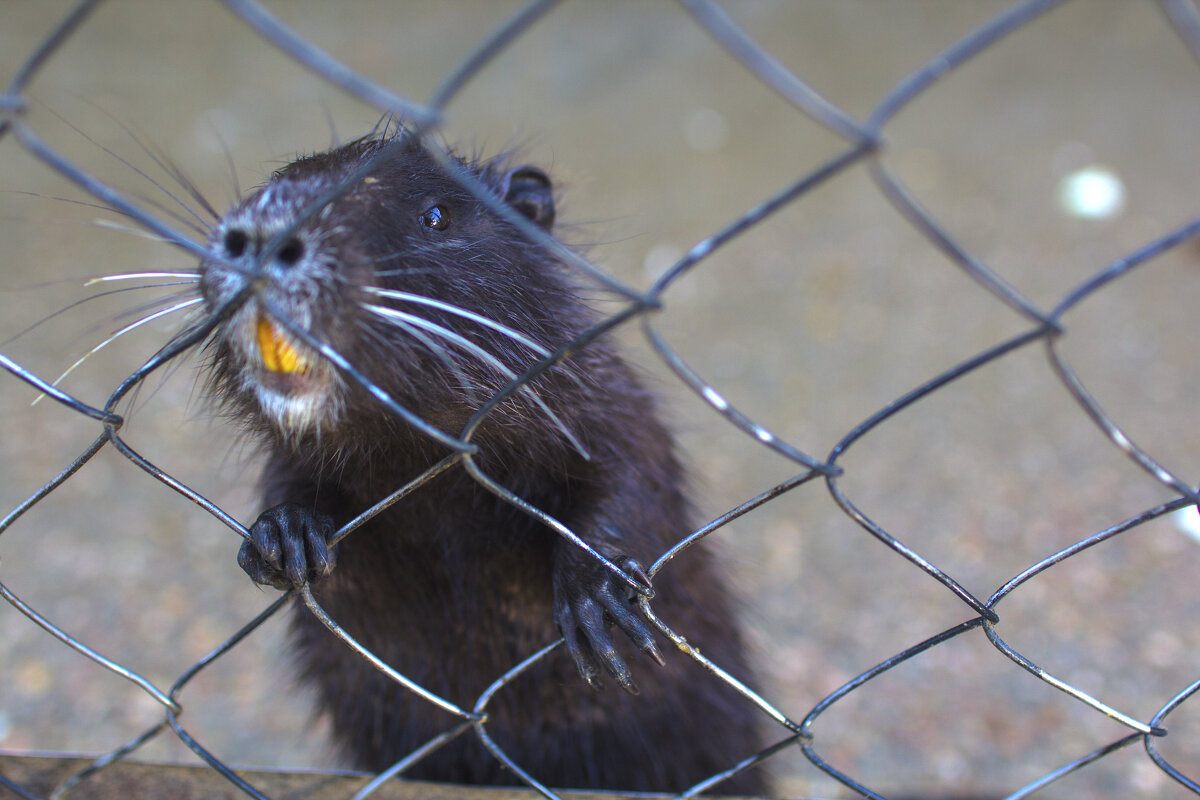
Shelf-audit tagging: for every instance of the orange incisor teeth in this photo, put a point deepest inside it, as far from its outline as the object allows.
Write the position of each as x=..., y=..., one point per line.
x=278, y=354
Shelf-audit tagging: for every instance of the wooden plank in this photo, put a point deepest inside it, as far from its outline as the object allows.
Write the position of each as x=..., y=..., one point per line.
x=131, y=780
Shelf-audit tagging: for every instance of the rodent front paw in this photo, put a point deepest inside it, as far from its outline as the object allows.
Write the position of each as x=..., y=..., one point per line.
x=288, y=547
x=588, y=601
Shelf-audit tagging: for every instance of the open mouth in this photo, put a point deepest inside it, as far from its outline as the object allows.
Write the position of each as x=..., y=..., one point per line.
x=278, y=350
x=291, y=383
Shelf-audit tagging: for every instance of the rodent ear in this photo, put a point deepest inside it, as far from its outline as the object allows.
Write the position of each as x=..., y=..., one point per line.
x=528, y=190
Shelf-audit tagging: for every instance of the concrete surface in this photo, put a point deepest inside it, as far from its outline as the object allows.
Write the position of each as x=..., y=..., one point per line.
x=809, y=324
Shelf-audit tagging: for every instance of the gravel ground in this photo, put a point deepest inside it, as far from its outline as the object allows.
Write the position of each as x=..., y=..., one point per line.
x=820, y=317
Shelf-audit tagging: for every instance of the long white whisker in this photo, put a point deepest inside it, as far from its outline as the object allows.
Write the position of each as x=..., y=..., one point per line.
x=131, y=326
x=101, y=222
x=516, y=336
x=392, y=314
x=151, y=306
x=130, y=276
x=440, y=353
x=99, y=295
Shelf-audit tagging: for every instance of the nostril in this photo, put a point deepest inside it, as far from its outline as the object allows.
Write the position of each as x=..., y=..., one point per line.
x=235, y=242
x=291, y=252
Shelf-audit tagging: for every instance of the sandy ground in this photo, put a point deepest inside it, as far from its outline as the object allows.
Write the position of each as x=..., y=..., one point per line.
x=810, y=324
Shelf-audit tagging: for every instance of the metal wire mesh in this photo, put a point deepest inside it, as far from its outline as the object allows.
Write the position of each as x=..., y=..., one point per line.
x=862, y=145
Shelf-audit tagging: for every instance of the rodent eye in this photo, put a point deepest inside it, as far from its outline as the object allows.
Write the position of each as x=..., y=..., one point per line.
x=235, y=242
x=436, y=218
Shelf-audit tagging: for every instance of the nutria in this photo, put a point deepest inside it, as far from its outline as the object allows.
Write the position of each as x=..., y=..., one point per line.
x=440, y=301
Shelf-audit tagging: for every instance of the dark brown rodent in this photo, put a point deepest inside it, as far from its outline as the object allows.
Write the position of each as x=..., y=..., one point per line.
x=452, y=586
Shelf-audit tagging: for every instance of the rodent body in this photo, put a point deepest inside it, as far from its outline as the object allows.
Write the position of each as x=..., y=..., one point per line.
x=452, y=586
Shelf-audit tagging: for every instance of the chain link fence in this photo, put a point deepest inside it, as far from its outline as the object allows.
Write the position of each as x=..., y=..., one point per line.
x=1016, y=435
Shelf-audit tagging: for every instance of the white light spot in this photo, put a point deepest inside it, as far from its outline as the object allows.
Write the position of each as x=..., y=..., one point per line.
x=660, y=259
x=763, y=434
x=715, y=399
x=1188, y=520
x=705, y=130
x=1093, y=192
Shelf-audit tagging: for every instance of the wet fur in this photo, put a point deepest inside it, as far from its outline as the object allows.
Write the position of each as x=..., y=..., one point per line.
x=453, y=586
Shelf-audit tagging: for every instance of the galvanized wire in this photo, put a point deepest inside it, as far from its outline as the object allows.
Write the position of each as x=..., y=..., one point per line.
x=863, y=141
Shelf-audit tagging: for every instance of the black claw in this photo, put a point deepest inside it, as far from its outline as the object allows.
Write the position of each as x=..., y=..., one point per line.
x=589, y=602
x=619, y=669
x=634, y=568
x=268, y=545
x=252, y=562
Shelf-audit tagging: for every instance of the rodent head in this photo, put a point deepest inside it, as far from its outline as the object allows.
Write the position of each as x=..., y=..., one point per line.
x=405, y=274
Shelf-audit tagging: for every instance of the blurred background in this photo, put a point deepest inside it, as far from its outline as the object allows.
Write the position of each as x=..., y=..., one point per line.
x=1067, y=145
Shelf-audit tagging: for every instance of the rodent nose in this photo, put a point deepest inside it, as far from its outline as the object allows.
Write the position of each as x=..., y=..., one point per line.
x=291, y=252
x=237, y=242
